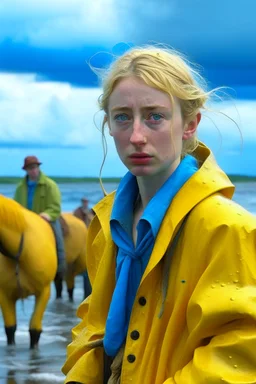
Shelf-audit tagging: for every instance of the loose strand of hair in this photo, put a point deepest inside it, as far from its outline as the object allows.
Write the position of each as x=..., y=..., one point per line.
x=218, y=130
x=229, y=118
x=105, y=151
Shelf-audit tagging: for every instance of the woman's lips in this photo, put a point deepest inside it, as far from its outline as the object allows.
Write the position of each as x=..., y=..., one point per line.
x=140, y=158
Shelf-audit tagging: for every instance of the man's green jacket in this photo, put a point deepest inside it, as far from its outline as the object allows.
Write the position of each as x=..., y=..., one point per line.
x=47, y=197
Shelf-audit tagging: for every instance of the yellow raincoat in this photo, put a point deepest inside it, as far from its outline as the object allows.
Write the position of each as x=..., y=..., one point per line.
x=206, y=333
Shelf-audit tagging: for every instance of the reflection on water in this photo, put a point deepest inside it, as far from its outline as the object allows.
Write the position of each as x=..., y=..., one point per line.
x=20, y=365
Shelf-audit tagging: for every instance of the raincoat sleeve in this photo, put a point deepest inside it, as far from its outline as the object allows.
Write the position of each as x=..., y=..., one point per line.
x=86, y=350
x=53, y=201
x=221, y=315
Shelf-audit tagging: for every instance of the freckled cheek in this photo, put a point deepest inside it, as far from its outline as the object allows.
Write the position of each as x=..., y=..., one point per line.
x=167, y=147
x=121, y=137
x=121, y=141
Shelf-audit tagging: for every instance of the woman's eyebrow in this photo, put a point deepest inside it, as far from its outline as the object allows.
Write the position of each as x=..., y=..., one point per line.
x=120, y=108
x=156, y=106
x=146, y=107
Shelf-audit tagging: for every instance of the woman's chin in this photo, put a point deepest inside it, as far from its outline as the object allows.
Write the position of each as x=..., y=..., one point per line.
x=140, y=171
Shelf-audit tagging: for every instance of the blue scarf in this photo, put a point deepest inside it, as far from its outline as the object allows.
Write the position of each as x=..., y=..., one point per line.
x=132, y=260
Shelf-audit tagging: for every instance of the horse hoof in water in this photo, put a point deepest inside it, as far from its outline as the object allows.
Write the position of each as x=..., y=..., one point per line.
x=10, y=334
x=34, y=338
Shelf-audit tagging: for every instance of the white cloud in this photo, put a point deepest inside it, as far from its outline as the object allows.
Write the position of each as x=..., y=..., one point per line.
x=60, y=23
x=46, y=112
x=62, y=115
x=229, y=125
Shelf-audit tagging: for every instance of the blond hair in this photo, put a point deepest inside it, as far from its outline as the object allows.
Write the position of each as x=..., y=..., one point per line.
x=163, y=69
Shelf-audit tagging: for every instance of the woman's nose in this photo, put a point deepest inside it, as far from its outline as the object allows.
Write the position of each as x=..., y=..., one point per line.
x=138, y=136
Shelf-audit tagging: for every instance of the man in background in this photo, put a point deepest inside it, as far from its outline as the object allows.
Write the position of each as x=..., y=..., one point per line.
x=40, y=194
x=83, y=212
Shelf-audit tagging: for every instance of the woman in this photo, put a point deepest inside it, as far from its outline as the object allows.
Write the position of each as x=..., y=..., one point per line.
x=171, y=258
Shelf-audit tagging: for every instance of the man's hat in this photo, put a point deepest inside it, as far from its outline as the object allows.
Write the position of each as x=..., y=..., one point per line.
x=30, y=160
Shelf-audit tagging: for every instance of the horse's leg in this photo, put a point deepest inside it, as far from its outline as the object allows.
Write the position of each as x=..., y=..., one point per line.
x=87, y=285
x=70, y=281
x=35, y=326
x=8, y=307
x=58, y=282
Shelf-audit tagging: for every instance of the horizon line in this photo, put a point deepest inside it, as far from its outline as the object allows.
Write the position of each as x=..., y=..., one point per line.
x=62, y=179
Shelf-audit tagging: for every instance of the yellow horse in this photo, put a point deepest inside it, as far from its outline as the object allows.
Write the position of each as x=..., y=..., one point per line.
x=75, y=243
x=28, y=262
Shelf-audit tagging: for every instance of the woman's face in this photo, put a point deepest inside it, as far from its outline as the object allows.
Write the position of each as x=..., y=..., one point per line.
x=147, y=129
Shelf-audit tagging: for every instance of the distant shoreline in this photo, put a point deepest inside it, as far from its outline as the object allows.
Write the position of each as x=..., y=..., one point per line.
x=62, y=180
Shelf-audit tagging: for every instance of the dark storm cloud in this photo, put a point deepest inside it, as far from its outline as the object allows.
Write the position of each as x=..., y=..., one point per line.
x=51, y=42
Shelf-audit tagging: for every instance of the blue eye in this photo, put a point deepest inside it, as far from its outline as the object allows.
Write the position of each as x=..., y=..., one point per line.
x=155, y=116
x=121, y=117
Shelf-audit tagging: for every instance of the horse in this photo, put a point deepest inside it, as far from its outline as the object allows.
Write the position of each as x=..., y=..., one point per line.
x=75, y=234
x=28, y=262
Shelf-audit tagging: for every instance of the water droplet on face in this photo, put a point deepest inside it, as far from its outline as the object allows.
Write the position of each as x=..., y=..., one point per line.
x=204, y=182
x=217, y=281
x=230, y=357
x=237, y=271
x=223, y=285
x=213, y=286
x=232, y=299
x=235, y=365
x=235, y=281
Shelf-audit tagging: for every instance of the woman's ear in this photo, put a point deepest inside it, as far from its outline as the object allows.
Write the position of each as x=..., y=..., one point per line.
x=191, y=127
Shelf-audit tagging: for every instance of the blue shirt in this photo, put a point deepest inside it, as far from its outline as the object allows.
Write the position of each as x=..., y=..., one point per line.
x=31, y=191
x=132, y=260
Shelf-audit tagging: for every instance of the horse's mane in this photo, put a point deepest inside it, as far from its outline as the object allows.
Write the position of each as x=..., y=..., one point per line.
x=11, y=215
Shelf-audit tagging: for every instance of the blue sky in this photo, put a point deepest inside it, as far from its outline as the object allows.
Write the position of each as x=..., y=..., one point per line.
x=48, y=94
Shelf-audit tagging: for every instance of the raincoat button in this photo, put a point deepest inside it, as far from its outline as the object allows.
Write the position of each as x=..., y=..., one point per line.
x=131, y=358
x=135, y=335
x=142, y=301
